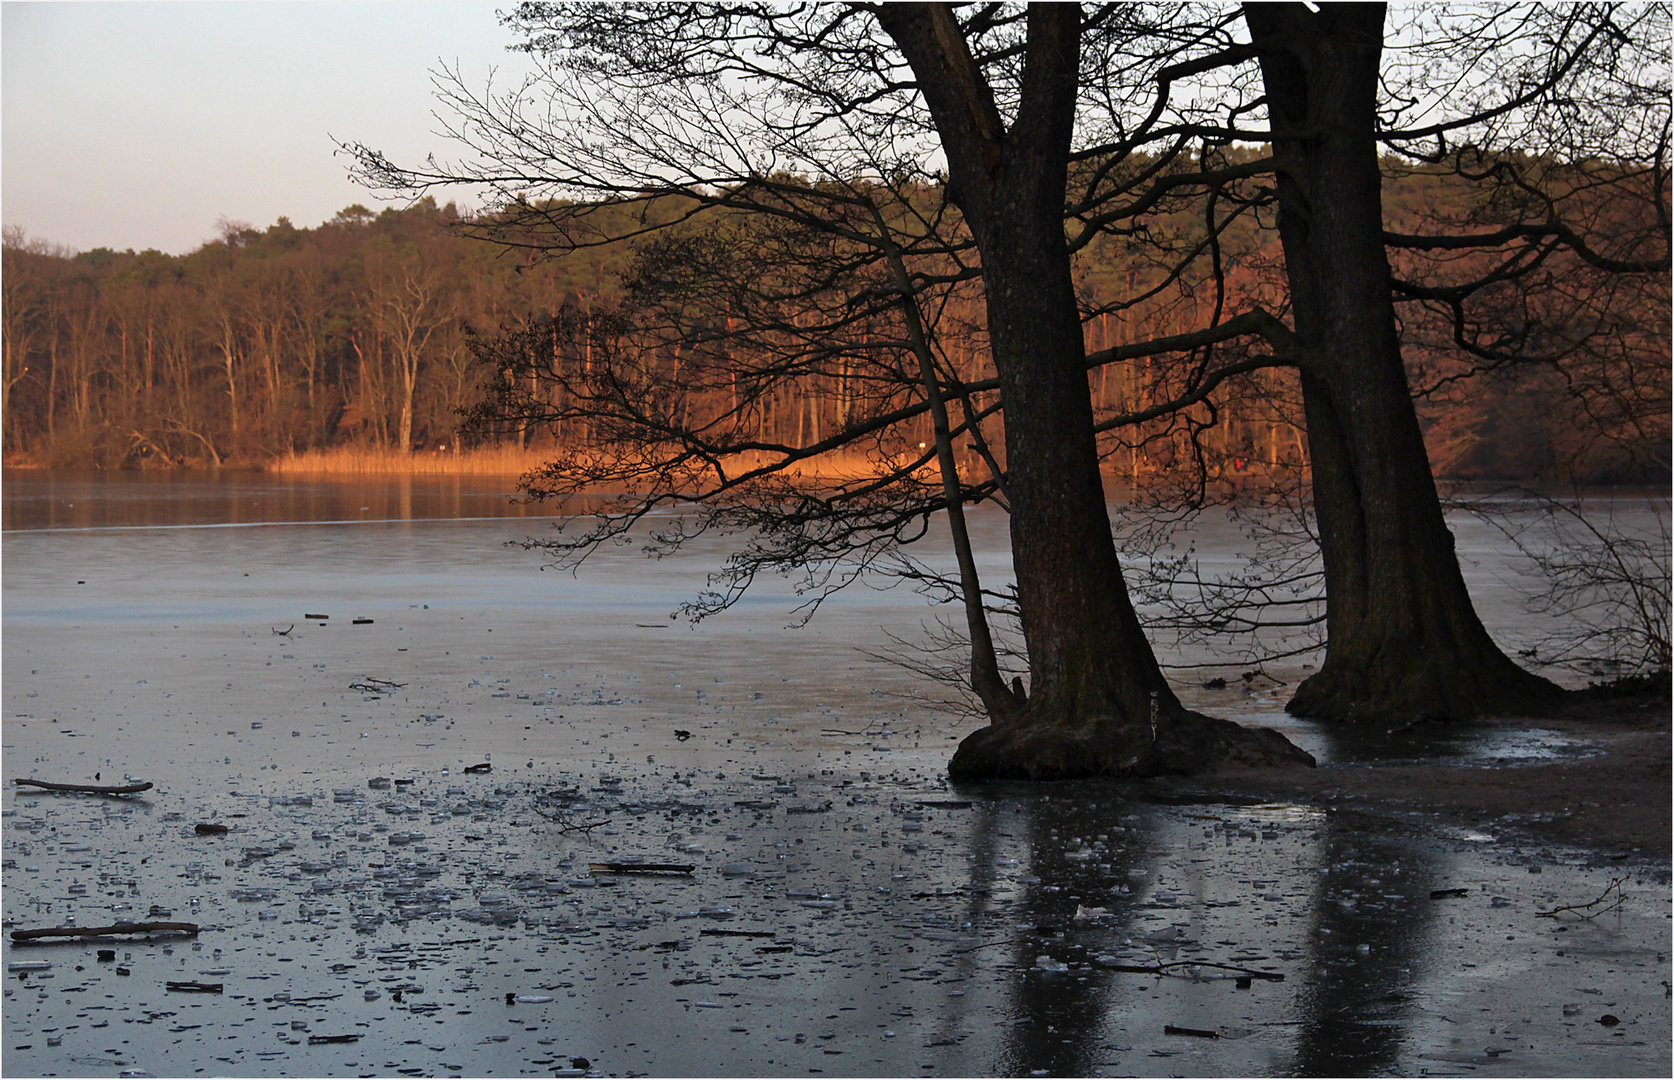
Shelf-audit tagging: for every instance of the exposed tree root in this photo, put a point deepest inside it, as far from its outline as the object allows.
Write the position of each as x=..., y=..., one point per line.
x=1412, y=689
x=1183, y=744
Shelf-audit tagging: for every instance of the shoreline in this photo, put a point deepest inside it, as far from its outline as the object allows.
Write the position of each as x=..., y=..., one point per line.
x=380, y=463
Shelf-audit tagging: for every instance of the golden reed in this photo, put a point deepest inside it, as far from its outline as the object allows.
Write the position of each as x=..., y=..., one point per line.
x=366, y=461
x=513, y=461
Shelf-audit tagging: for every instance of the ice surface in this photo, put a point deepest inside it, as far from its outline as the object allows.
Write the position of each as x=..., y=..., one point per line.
x=847, y=910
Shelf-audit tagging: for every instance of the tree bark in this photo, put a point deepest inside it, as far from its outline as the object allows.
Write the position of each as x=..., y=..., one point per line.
x=1097, y=702
x=1404, y=641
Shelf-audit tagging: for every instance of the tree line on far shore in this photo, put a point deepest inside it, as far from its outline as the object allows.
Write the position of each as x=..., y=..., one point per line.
x=358, y=332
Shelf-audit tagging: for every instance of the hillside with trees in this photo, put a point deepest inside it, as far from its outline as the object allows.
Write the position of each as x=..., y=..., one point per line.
x=357, y=333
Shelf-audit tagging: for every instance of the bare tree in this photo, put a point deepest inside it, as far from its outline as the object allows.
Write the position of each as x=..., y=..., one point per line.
x=696, y=108
x=1601, y=575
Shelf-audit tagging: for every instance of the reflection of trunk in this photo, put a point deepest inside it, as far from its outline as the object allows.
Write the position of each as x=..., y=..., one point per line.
x=1068, y=1013
x=1097, y=701
x=1354, y=1016
x=1403, y=638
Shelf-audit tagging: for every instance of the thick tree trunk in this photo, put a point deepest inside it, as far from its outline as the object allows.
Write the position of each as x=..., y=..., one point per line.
x=1404, y=641
x=1097, y=702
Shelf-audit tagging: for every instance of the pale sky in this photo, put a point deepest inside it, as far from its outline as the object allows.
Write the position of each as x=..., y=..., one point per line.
x=139, y=125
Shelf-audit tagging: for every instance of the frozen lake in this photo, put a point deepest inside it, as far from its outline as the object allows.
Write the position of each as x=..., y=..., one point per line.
x=847, y=911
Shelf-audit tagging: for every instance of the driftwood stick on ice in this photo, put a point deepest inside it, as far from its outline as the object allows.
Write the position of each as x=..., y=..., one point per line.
x=1585, y=910
x=106, y=931
x=1165, y=969
x=90, y=789
x=194, y=987
x=642, y=868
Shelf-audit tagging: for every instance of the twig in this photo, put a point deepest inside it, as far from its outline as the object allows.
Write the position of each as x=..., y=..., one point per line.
x=375, y=686
x=642, y=868
x=103, y=931
x=194, y=987
x=711, y=932
x=90, y=789
x=286, y=631
x=1170, y=1029
x=565, y=825
x=1615, y=885
x=1162, y=969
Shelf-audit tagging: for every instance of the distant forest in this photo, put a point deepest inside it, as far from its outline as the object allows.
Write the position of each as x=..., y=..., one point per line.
x=357, y=333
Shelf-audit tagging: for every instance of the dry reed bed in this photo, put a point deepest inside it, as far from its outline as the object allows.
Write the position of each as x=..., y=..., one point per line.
x=513, y=461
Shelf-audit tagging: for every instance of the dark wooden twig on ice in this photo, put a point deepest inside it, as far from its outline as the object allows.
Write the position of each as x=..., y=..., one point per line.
x=1614, y=886
x=709, y=932
x=89, y=789
x=208, y=829
x=1170, y=1029
x=1163, y=969
x=286, y=631
x=1442, y=894
x=375, y=686
x=484, y=767
x=194, y=987
x=642, y=868
x=566, y=825
x=107, y=931
x=320, y=1040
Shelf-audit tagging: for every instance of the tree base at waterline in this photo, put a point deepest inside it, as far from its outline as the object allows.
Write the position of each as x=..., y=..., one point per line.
x=1185, y=744
x=1403, y=693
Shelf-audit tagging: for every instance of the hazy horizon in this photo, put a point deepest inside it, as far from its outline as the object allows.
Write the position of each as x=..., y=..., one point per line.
x=143, y=125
